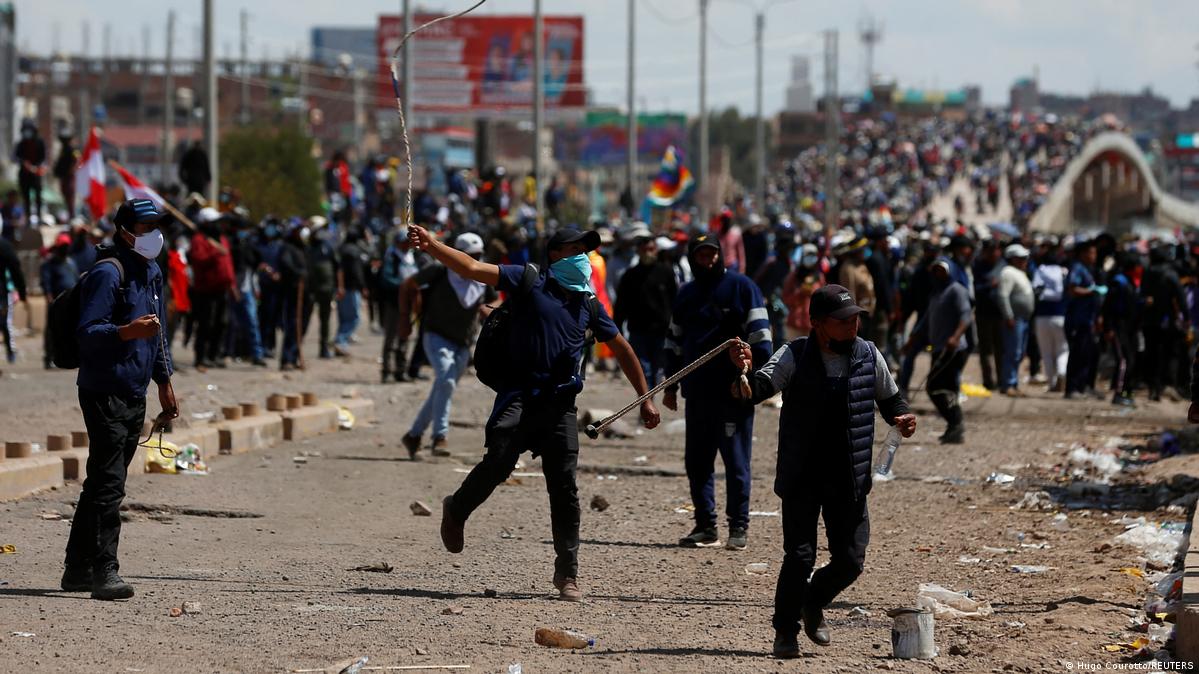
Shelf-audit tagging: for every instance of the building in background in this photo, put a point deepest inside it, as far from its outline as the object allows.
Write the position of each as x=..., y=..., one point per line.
x=330, y=43
x=799, y=90
x=1024, y=96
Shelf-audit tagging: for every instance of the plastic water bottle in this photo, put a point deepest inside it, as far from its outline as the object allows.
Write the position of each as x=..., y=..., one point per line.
x=558, y=638
x=890, y=445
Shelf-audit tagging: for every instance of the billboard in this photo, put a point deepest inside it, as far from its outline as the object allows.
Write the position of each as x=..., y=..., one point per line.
x=602, y=138
x=485, y=63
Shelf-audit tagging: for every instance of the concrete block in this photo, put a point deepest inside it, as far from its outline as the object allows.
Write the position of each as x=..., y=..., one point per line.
x=74, y=464
x=295, y=401
x=231, y=412
x=309, y=398
x=25, y=476
x=1186, y=634
x=308, y=422
x=18, y=450
x=277, y=402
x=249, y=409
x=244, y=435
x=79, y=438
x=58, y=443
x=363, y=409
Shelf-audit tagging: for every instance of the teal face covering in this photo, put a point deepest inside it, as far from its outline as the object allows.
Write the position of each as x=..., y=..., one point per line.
x=573, y=273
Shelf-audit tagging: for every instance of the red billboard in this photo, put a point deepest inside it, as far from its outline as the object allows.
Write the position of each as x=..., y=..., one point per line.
x=485, y=63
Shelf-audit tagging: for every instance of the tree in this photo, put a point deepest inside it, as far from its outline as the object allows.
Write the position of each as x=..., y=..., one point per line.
x=729, y=128
x=274, y=170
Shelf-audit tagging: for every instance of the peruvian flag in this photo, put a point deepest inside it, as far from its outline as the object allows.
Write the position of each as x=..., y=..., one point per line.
x=136, y=189
x=89, y=176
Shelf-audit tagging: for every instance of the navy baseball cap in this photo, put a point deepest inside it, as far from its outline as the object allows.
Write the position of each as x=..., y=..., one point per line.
x=589, y=238
x=833, y=301
x=134, y=211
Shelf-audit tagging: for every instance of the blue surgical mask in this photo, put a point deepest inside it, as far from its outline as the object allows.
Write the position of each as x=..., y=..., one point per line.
x=573, y=273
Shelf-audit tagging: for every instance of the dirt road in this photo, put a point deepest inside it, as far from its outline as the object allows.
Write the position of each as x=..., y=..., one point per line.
x=276, y=592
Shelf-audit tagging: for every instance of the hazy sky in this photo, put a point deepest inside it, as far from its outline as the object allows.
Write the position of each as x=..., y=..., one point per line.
x=1078, y=45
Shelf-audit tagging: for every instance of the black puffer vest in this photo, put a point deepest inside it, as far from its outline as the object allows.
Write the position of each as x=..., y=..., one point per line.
x=801, y=416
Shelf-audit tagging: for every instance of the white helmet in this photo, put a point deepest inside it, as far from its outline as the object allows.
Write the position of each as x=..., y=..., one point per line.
x=469, y=243
x=208, y=214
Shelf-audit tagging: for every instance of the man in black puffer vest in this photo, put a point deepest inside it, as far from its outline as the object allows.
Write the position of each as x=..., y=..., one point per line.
x=831, y=382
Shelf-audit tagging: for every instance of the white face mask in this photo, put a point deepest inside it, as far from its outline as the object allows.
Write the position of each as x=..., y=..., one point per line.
x=148, y=245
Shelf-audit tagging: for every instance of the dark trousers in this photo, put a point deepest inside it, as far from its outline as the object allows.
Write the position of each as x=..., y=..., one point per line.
x=719, y=426
x=291, y=317
x=270, y=313
x=1084, y=354
x=394, y=344
x=322, y=302
x=847, y=526
x=31, y=194
x=211, y=313
x=1124, y=347
x=944, y=382
x=48, y=338
x=990, y=348
x=1159, y=349
x=113, y=424
x=545, y=426
x=648, y=347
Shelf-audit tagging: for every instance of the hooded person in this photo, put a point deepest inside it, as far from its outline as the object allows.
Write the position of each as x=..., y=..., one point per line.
x=58, y=275
x=720, y=304
x=550, y=315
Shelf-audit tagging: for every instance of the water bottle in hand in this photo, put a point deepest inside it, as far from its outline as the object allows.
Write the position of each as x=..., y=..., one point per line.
x=890, y=445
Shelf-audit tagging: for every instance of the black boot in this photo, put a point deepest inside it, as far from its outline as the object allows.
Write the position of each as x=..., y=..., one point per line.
x=814, y=626
x=786, y=646
x=77, y=579
x=109, y=586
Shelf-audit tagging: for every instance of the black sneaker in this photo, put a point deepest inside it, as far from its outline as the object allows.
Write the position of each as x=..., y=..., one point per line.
x=109, y=586
x=453, y=536
x=1122, y=401
x=738, y=539
x=701, y=537
x=815, y=627
x=954, y=435
x=76, y=579
x=786, y=646
x=412, y=444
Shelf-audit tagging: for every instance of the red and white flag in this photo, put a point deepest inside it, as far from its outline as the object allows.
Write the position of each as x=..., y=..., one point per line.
x=136, y=189
x=89, y=176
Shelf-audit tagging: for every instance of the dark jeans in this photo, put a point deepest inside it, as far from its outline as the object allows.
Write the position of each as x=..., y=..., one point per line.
x=719, y=425
x=648, y=348
x=1084, y=356
x=990, y=348
x=48, y=338
x=1124, y=347
x=322, y=302
x=290, y=316
x=545, y=426
x=944, y=382
x=113, y=424
x=211, y=313
x=30, y=185
x=1159, y=349
x=847, y=526
x=270, y=315
x=394, y=345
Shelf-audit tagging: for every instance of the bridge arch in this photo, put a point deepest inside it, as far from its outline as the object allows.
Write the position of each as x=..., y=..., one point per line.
x=1110, y=185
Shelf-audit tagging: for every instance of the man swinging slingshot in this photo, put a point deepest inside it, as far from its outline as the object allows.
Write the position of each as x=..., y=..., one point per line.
x=551, y=312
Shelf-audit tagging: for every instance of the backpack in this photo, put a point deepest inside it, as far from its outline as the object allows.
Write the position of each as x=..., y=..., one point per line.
x=64, y=318
x=492, y=363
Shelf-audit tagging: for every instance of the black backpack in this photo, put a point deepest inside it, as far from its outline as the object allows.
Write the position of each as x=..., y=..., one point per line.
x=64, y=318
x=492, y=362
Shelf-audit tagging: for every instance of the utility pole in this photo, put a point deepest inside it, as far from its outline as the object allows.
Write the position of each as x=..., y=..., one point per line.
x=166, y=159
x=832, y=203
x=760, y=125
x=359, y=110
x=871, y=33
x=107, y=57
x=702, y=167
x=245, y=67
x=538, y=109
x=142, y=85
x=211, y=140
x=408, y=71
x=87, y=39
x=302, y=93
x=631, y=130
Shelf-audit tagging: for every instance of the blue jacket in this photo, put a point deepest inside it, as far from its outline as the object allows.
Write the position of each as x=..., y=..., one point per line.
x=706, y=314
x=58, y=275
x=108, y=364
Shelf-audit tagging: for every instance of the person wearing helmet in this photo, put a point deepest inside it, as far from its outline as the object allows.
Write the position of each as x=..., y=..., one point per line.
x=213, y=282
x=452, y=310
x=719, y=304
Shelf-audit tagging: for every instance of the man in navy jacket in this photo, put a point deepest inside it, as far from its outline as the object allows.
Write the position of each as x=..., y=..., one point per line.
x=121, y=349
x=831, y=383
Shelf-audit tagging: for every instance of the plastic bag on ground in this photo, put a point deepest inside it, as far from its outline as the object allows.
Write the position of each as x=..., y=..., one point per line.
x=946, y=603
x=1158, y=543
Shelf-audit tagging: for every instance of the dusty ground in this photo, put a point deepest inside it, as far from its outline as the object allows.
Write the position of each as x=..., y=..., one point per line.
x=276, y=592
